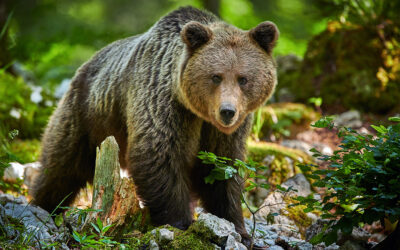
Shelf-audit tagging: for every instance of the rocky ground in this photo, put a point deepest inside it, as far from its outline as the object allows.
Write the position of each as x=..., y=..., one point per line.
x=291, y=228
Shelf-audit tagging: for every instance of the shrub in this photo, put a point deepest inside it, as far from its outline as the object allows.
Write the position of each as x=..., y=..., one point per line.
x=362, y=181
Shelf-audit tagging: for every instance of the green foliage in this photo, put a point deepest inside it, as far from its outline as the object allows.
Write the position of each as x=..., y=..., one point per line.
x=81, y=213
x=97, y=238
x=241, y=172
x=362, y=181
x=18, y=111
x=26, y=151
x=6, y=156
x=367, y=12
x=223, y=171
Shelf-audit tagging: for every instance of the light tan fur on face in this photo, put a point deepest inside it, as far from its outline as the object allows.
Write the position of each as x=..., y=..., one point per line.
x=231, y=53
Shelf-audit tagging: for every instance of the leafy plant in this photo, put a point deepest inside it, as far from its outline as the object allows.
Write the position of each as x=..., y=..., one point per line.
x=362, y=181
x=6, y=156
x=242, y=172
x=96, y=238
x=81, y=213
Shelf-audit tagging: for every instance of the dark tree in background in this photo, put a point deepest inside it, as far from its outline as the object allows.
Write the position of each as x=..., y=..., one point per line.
x=5, y=17
x=212, y=5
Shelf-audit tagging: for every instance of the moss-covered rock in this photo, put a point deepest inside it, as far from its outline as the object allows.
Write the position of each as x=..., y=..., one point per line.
x=282, y=161
x=351, y=66
x=188, y=239
x=283, y=119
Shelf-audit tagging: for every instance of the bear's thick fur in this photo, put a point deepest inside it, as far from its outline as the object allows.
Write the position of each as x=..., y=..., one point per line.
x=188, y=84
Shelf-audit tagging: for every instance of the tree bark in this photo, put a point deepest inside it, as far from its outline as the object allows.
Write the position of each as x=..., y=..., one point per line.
x=114, y=196
x=5, y=58
x=212, y=5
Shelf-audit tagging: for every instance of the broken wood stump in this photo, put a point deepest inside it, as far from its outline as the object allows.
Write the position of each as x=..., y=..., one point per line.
x=114, y=196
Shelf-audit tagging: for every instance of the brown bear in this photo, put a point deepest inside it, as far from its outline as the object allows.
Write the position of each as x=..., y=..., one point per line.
x=190, y=83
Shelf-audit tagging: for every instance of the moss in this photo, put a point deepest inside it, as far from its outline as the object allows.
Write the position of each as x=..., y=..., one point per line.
x=139, y=240
x=286, y=119
x=297, y=215
x=350, y=67
x=188, y=239
x=280, y=168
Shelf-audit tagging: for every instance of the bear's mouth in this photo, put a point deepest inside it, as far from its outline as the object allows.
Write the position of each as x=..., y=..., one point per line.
x=226, y=127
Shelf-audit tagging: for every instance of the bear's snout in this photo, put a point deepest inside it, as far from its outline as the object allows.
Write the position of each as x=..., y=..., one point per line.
x=226, y=112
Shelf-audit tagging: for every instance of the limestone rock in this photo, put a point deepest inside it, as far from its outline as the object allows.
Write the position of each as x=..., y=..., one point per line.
x=350, y=119
x=14, y=171
x=232, y=244
x=219, y=229
x=163, y=235
x=153, y=245
x=38, y=224
x=276, y=203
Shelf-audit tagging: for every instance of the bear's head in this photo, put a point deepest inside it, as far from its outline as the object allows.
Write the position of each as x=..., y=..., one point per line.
x=226, y=72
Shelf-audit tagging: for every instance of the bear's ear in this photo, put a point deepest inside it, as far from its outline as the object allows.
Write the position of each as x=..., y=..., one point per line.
x=265, y=34
x=195, y=34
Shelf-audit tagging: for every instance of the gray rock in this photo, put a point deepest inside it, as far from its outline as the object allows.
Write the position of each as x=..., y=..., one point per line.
x=219, y=228
x=323, y=148
x=27, y=172
x=14, y=172
x=360, y=234
x=268, y=160
x=165, y=235
x=31, y=170
x=8, y=198
x=232, y=244
x=275, y=202
x=350, y=119
x=321, y=246
x=297, y=144
x=153, y=245
x=267, y=234
x=300, y=183
x=38, y=224
x=275, y=247
x=304, y=246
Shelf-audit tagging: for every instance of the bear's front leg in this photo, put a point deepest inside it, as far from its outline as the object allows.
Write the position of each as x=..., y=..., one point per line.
x=161, y=180
x=222, y=198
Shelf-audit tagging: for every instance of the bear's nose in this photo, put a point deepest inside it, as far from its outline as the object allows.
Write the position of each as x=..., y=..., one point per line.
x=227, y=111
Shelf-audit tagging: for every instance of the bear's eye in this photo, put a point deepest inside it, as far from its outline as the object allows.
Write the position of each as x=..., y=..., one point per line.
x=216, y=79
x=242, y=80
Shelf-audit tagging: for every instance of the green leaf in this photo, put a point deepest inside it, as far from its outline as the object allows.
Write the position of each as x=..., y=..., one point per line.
x=381, y=129
x=265, y=186
x=59, y=220
x=394, y=119
x=95, y=227
x=317, y=238
x=76, y=236
x=324, y=122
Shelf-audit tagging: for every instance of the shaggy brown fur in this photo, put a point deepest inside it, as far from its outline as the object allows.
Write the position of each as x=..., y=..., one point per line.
x=161, y=94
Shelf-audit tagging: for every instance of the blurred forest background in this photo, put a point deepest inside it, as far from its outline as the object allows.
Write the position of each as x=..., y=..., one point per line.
x=332, y=56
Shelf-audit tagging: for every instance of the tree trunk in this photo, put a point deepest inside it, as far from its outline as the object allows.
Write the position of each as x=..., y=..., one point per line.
x=212, y=5
x=115, y=197
x=5, y=15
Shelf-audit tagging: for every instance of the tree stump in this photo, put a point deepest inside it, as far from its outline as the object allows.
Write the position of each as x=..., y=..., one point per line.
x=114, y=196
